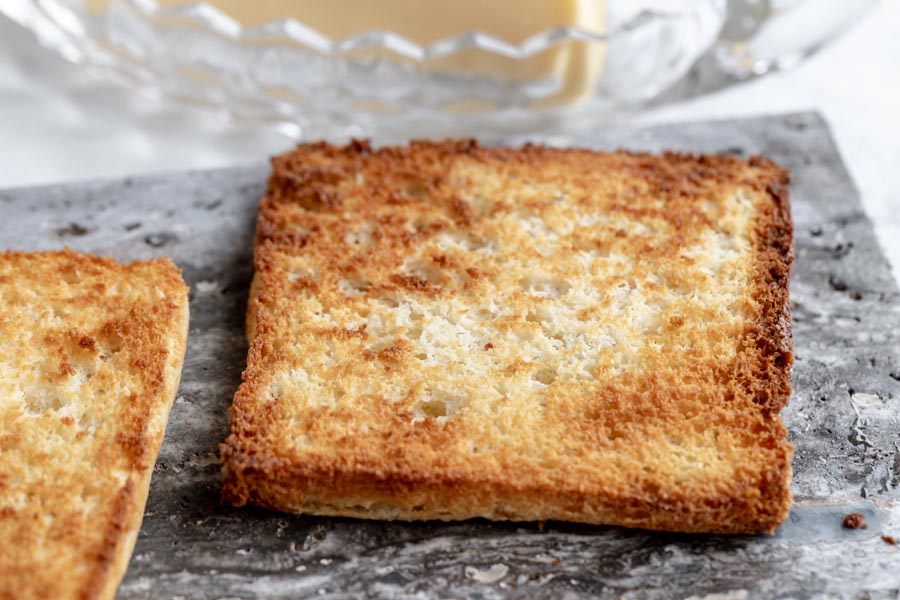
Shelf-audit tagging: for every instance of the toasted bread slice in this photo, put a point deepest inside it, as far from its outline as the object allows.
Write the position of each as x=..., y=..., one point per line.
x=90, y=357
x=443, y=331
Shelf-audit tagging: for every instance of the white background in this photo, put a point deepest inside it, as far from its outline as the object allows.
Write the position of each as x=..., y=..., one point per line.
x=57, y=123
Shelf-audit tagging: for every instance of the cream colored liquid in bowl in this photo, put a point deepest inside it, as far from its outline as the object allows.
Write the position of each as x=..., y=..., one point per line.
x=576, y=66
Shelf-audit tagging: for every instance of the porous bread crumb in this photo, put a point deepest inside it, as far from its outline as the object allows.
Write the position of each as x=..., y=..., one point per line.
x=518, y=334
x=90, y=357
x=855, y=521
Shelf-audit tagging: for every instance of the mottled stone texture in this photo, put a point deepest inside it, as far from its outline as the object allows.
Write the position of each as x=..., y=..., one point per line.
x=844, y=416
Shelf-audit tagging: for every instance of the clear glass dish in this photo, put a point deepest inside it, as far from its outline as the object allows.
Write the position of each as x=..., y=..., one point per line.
x=394, y=69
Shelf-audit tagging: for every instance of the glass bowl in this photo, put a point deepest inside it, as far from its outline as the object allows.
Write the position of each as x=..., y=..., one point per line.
x=395, y=69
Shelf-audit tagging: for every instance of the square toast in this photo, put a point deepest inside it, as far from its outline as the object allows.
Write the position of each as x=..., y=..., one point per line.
x=446, y=331
x=90, y=359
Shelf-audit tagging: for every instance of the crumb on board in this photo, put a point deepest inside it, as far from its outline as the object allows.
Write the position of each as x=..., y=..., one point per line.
x=492, y=575
x=207, y=287
x=855, y=521
x=889, y=539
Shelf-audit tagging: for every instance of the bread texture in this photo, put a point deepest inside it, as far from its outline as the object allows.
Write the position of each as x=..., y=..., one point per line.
x=90, y=358
x=445, y=331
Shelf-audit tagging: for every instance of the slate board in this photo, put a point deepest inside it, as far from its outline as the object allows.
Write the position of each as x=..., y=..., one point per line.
x=844, y=416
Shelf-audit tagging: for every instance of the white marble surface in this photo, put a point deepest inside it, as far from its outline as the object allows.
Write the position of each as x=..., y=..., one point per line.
x=58, y=123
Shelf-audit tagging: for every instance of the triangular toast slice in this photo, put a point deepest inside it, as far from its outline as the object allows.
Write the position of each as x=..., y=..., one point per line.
x=90, y=358
x=445, y=331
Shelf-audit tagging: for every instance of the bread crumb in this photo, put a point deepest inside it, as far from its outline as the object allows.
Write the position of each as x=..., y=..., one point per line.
x=889, y=539
x=492, y=575
x=207, y=287
x=855, y=521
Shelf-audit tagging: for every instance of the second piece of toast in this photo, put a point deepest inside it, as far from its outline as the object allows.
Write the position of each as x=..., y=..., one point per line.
x=443, y=331
x=90, y=358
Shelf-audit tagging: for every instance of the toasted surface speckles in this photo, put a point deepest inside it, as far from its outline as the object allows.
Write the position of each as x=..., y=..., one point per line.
x=90, y=358
x=443, y=331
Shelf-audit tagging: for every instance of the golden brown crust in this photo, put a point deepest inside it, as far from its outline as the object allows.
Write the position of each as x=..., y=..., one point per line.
x=672, y=425
x=92, y=355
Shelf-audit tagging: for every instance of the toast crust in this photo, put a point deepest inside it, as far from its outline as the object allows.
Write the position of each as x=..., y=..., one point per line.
x=100, y=346
x=403, y=464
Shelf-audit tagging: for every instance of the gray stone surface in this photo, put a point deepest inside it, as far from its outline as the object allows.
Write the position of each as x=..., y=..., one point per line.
x=844, y=416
